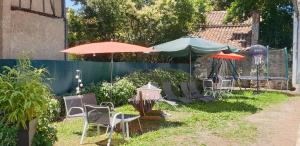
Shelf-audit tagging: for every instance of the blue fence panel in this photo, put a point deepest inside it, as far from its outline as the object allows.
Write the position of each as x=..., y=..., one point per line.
x=62, y=73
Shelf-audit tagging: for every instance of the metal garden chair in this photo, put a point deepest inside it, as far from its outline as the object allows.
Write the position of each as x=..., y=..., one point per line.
x=101, y=116
x=209, y=88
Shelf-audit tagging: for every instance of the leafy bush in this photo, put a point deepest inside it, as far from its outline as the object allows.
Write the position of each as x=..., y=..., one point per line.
x=120, y=92
x=158, y=76
x=23, y=93
x=53, y=111
x=46, y=134
x=8, y=134
x=125, y=88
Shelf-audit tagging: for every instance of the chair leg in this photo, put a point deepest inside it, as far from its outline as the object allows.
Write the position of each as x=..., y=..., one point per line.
x=110, y=135
x=84, y=132
x=127, y=130
x=140, y=125
x=107, y=128
x=98, y=129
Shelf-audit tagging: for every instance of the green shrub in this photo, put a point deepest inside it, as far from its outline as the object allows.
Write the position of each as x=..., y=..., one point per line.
x=46, y=134
x=158, y=76
x=23, y=93
x=120, y=91
x=8, y=134
x=53, y=112
x=125, y=88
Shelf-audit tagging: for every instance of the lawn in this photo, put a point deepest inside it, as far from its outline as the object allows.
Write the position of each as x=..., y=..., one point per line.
x=191, y=124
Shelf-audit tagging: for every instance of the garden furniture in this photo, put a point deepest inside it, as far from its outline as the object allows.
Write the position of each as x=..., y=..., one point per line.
x=196, y=93
x=129, y=118
x=74, y=104
x=209, y=87
x=101, y=116
x=145, y=99
x=167, y=89
x=186, y=92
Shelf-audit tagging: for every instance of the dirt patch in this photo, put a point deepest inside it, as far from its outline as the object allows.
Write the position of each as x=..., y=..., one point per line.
x=278, y=125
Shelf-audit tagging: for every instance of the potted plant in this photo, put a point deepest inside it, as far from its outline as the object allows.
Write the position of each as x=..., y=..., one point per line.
x=23, y=98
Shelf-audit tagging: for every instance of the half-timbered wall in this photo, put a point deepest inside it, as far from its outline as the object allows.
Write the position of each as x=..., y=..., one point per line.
x=35, y=27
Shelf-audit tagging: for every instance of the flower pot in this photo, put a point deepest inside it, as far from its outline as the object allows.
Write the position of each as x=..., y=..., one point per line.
x=25, y=136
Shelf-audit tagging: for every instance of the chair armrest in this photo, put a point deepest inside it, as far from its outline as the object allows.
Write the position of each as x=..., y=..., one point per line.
x=108, y=103
x=80, y=108
x=115, y=117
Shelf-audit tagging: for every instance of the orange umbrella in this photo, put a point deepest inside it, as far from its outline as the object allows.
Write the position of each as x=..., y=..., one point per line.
x=107, y=48
x=232, y=56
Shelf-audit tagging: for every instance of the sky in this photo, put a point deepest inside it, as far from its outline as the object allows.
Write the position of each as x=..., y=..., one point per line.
x=70, y=4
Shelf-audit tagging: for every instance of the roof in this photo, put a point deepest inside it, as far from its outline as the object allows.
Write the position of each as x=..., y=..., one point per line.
x=234, y=34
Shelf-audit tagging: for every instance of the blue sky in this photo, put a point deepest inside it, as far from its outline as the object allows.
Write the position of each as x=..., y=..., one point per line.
x=70, y=4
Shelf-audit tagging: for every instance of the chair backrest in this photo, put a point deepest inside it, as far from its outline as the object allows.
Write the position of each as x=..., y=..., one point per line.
x=167, y=88
x=184, y=88
x=97, y=114
x=89, y=99
x=208, y=84
x=73, y=101
x=193, y=88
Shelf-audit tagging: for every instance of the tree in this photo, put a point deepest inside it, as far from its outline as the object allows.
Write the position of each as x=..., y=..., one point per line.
x=144, y=22
x=276, y=19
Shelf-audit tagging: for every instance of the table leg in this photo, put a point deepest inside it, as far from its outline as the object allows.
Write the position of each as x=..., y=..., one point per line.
x=127, y=130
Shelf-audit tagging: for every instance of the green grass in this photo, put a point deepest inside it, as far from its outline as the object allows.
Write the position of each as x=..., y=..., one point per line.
x=223, y=118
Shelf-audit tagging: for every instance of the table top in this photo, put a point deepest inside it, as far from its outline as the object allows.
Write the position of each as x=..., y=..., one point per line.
x=129, y=117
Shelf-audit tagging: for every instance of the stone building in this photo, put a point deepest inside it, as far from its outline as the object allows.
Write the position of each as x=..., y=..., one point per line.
x=239, y=35
x=34, y=27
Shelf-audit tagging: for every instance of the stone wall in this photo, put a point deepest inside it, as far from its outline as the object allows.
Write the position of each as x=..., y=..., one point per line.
x=38, y=36
x=247, y=68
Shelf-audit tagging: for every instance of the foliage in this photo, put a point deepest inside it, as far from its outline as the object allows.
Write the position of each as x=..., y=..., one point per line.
x=125, y=88
x=120, y=92
x=46, y=134
x=222, y=118
x=219, y=5
x=23, y=93
x=8, y=134
x=276, y=19
x=135, y=21
x=158, y=76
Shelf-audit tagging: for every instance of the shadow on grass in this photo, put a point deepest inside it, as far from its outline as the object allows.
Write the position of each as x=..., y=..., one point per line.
x=147, y=126
x=223, y=106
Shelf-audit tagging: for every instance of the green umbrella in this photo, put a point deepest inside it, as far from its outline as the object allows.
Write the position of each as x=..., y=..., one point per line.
x=192, y=47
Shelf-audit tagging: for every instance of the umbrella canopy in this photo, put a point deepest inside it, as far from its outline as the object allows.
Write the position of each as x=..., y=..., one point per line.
x=232, y=56
x=258, y=50
x=106, y=47
x=191, y=45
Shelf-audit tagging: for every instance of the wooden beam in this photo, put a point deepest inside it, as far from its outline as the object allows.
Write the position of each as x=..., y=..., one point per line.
x=52, y=6
x=14, y=8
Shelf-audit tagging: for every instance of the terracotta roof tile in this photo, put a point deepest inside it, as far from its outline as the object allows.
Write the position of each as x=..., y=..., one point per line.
x=237, y=35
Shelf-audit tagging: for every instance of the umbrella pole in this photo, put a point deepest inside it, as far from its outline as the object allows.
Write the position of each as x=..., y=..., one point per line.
x=190, y=71
x=111, y=73
x=111, y=67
